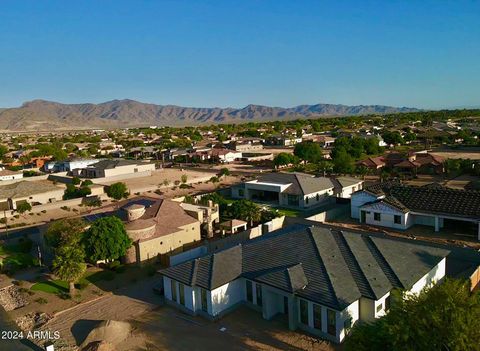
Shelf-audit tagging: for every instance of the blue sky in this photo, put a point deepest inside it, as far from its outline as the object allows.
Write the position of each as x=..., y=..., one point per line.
x=231, y=53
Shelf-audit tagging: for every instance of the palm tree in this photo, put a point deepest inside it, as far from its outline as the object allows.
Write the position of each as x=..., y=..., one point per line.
x=69, y=265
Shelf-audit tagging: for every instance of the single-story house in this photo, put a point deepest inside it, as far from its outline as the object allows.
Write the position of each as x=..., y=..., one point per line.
x=324, y=280
x=111, y=168
x=225, y=155
x=296, y=190
x=6, y=174
x=69, y=165
x=397, y=206
x=35, y=193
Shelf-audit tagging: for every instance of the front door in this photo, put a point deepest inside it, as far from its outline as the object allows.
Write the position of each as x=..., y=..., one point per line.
x=363, y=218
x=285, y=305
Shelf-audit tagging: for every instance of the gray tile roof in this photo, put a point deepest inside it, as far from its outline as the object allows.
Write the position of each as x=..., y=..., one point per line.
x=110, y=164
x=430, y=199
x=301, y=184
x=325, y=266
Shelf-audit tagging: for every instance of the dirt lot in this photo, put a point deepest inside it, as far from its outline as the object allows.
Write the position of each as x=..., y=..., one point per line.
x=74, y=324
x=159, y=327
x=156, y=180
x=166, y=329
x=473, y=155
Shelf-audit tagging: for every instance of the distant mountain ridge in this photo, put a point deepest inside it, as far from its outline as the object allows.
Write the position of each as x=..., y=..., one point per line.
x=49, y=115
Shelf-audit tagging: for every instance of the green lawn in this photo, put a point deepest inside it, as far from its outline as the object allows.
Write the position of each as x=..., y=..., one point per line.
x=59, y=286
x=51, y=286
x=288, y=212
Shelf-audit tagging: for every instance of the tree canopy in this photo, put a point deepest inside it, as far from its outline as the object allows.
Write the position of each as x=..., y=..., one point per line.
x=308, y=151
x=245, y=210
x=65, y=232
x=69, y=265
x=285, y=159
x=106, y=239
x=117, y=191
x=443, y=317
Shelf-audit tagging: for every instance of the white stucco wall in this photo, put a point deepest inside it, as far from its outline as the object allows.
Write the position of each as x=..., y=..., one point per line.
x=359, y=199
x=324, y=197
x=227, y=296
x=387, y=216
x=352, y=311
x=432, y=277
x=347, y=191
x=11, y=176
x=380, y=302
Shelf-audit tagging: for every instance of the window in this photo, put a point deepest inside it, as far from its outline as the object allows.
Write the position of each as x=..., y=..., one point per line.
x=204, y=300
x=317, y=317
x=173, y=287
x=379, y=307
x=241, y=192
x=249, y=291
x=377, y=216
x=331, y=322
x=348, y=323
x=259, y=294
x=304, y=312
x=292, y=200
x=181, y=289
x=397, y=219
x=388, y=301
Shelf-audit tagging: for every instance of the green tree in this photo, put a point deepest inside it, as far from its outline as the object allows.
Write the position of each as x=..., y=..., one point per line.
x=76, y=181
x=69, y=265
x=117, y=191
x=24, y=207
x=343, y=162
x=246, y=210
x=72, y=192
x=308, y=151
x=284, y=159
x=325, y=167
x=65, y=232
x=106, y=239
x=3, y=151
x=224, y=172
x=184, y=178
x=443, y=317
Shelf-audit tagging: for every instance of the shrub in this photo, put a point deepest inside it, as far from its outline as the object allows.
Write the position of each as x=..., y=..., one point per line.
x=25, y=245
x=75, y=181
x=41, y=301
x=177, y=182
x=24, y=207
x=65, y=208
x=87, y=182
x=117, y=191
x=224, y=172
x=184, y=186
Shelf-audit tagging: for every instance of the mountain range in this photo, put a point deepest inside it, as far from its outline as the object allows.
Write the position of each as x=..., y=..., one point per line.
x=41, y=115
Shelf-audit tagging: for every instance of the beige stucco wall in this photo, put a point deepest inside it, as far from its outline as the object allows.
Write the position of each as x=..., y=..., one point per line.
x=166, y=243
x=129, y=169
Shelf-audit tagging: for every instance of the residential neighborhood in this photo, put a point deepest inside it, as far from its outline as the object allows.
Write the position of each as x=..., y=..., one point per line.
x=239, y=175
